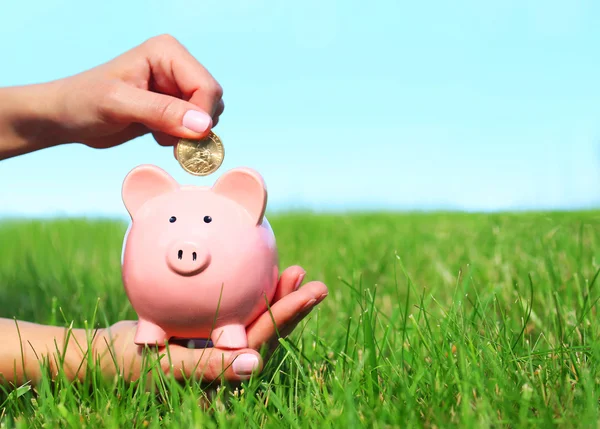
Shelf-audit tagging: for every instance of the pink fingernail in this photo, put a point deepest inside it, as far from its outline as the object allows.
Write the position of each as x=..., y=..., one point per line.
x=196, y=121
x=322, y=297
x=299, y=281
x=245, y=364
x=308, y=305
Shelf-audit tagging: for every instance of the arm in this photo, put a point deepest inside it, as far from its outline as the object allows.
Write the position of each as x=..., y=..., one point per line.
x=25, y=346
x=157, y=87
x=28, y=119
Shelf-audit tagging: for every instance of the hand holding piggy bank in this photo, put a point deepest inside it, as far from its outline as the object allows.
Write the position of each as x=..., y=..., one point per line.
x=198, y=262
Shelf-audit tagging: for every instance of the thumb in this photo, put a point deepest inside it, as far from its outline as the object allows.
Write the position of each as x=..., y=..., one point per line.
x=210, y=364
x=158, y=112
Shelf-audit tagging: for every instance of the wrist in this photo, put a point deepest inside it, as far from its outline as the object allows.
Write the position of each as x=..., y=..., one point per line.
x=62, y=349
x=29, y=118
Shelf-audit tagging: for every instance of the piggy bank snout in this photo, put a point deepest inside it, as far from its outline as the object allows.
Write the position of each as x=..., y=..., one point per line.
x=188, y=258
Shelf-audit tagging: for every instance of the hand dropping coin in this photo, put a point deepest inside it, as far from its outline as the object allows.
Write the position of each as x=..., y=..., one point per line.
x=200, y=157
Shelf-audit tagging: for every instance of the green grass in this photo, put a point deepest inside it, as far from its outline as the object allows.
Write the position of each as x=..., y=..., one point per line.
x=433, y=320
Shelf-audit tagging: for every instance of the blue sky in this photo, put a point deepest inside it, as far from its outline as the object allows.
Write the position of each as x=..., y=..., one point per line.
x=466, y=105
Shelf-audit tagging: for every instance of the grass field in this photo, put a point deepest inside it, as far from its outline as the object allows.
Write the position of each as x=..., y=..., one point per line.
x=433, y=320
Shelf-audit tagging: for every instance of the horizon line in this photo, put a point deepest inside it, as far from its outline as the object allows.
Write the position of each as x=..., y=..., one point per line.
x=324, y=211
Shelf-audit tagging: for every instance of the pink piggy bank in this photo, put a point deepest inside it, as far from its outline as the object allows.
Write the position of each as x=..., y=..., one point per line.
x=197, y=262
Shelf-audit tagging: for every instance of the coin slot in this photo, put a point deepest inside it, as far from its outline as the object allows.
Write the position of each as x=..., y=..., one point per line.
x=180, y=254
x=194, y=256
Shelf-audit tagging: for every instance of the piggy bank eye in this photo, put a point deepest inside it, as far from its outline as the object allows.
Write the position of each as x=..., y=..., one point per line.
x=173, y=219
x=207, y=219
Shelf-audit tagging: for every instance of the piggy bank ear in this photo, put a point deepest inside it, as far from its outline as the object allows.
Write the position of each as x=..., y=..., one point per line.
x=144, y=183
x=246, y=187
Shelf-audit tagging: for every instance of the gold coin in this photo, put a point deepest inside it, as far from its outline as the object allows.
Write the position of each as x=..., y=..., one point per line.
x=200, y=157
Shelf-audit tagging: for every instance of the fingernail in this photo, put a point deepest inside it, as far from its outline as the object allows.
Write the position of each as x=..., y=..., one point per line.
x=322, y=297
x=309, y=304
x=245, y=364
x=196, y=121
x=299, y=281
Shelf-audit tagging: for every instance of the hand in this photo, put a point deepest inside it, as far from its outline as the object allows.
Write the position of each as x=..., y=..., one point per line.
x=290, y=305
x=156, y=87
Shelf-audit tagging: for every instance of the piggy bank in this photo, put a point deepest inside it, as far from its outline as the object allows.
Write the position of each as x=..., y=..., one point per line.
x=197, y=262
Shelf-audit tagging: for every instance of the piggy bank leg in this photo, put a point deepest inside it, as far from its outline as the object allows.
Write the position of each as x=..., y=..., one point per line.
x=149, y=333
x=230, y=337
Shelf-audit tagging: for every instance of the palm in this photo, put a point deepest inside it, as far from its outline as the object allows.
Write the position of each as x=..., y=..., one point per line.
x=288, y=308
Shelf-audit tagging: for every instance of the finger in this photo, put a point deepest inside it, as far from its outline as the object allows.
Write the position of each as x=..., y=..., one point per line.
x=285, y=311
x=289, y=281
x=291, y=325
x=209, y=364
x=172, y=65
x=165, y=139
x=129, y=133
x=218, y=111
x=287, y=328
x=158, y=112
